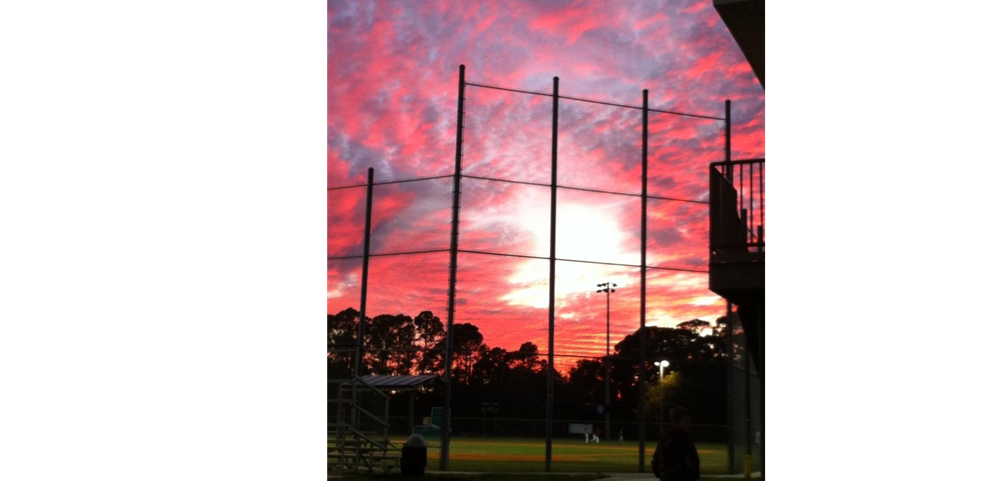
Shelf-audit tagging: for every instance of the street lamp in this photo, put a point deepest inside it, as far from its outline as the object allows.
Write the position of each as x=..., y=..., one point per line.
x=663, y=365
x=608, y=288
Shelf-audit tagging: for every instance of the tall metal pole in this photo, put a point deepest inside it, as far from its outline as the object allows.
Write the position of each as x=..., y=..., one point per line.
x=763, y=389
x=552, y=278
x=608, y=361
x=453, y=246
x=360, y=335
x=608, y=287
x=642, y=292
x=748, y=425
x=360, y=331
x=730, y=372
x=662, y=392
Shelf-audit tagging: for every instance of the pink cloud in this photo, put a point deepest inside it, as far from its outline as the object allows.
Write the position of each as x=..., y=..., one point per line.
x=572, y=21
x=646, y=22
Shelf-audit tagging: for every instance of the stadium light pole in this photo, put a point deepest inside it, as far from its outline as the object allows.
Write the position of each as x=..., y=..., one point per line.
x=608, y=288
x=663, y=366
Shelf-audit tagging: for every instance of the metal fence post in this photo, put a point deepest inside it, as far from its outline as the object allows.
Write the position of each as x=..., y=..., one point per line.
x=728, y=149
x=730, y=372
x=642, y=291
x=552, y=278
x=360, y=334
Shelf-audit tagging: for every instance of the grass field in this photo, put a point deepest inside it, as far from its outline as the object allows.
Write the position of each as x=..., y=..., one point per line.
x=487, y=454
x=481, y=477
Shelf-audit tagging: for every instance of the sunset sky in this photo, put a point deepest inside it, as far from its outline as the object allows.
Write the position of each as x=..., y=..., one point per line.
x=392, y=95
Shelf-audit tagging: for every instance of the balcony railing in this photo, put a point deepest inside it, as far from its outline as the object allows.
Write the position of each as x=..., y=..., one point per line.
x=736, y=211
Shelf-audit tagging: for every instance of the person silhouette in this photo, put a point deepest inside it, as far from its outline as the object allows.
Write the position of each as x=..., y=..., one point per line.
x=676, y=458
x=597, y=436
x=587, y=436
x=621, y=436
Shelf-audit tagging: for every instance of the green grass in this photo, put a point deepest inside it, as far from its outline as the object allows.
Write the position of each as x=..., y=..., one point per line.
x=482, y=477
x=520, y=455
